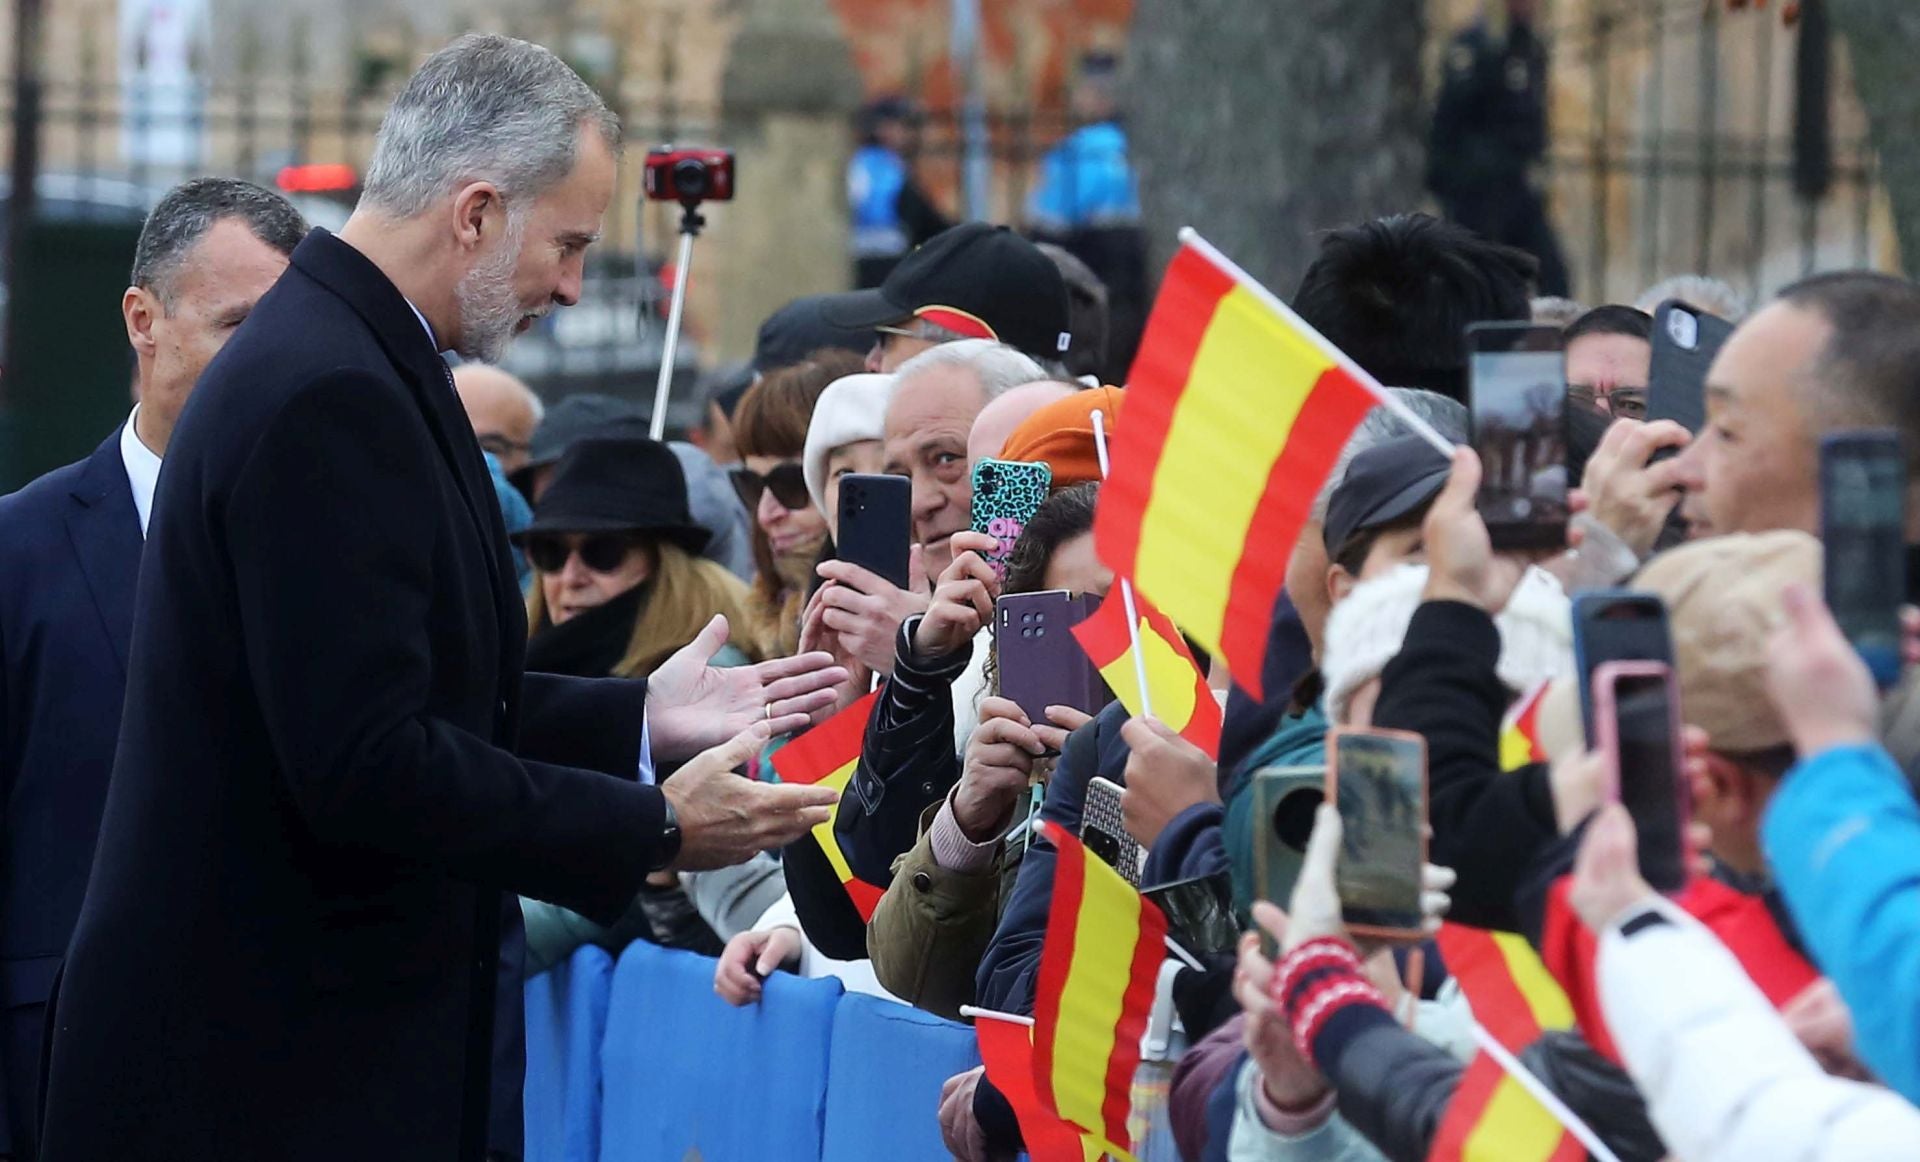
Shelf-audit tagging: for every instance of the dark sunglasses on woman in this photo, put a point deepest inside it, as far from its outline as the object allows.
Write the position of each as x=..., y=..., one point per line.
x=787, y=481
x=601, y=552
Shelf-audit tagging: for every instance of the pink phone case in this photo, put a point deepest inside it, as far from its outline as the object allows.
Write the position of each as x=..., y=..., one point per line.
x=1606, y=678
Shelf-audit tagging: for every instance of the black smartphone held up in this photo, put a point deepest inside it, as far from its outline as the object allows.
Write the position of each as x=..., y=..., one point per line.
x=1615, y=625
x=1040, y=663
x=1639, y=710
x=1685, y=342
x=876, y=524
x=1863, y=524
x=1378, y=780
x=1199, y=913
x=1519, y=393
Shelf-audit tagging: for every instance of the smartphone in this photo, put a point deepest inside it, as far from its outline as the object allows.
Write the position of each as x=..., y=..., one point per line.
x=1284, y=800
x=1519, y=415
x=1039, y=662
x=1006, y=494
x=876, y=524
x=1685, y=342
x=1104, y=831
x=1615, y=625
x=1378, y=780
x=1863, y=525
x=1199, y=913
x=1639, y=710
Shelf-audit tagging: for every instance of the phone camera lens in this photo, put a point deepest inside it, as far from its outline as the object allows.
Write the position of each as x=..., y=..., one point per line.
x=1683, y=329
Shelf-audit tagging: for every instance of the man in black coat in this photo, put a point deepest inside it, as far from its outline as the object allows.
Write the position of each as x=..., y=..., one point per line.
x=72, y=538
x=330, y=767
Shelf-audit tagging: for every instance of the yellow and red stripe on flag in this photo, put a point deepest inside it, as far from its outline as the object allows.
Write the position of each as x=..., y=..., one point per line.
x=1236, y=414
x=1006, y=1049
x=827, y=755
x=1492, y=1118
x=1178, y=689
x=1098, y=967
x=1520, y=736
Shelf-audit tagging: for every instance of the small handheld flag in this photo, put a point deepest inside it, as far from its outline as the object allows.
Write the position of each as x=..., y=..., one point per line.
x=1098, y=968
x=1237, y=413
x=827, y=756
x=1178, y=690
x=1006, y=1049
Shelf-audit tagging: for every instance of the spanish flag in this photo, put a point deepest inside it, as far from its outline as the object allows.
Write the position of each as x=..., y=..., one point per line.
x=1520, y=736
x=1006, y=1049
x=1098, y=968
x=1236, y=414
x=1179, y=691
x=1492, y=1118
x=827, y=755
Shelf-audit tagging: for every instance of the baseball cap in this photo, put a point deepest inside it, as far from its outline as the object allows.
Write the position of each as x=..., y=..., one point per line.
x=577, y=417
x=978, y=280
x=1723, y=598
x=1383, y=484
x=800, y=328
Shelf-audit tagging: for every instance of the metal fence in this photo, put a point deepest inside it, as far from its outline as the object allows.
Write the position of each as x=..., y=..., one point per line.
x=1690, y=139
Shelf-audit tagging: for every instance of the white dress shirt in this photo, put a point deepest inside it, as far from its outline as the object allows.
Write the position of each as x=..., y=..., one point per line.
x=143, y=469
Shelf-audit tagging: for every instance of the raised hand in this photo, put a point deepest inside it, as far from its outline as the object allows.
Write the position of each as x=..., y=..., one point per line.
x=749, y=958
x=997, y=767
x=693, y=705
x=866, y=610
x=962, y=599
x=1166, y=774
x=1461, y=563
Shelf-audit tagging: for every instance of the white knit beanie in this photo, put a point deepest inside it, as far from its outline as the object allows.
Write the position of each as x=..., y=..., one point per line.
x=1366, y=630
x=852, y=409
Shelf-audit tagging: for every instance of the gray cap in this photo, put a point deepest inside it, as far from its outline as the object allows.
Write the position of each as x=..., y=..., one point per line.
x=575, y=417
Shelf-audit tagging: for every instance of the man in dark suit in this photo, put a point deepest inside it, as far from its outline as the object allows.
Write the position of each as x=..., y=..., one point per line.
x=331, y=772
x=209, y=250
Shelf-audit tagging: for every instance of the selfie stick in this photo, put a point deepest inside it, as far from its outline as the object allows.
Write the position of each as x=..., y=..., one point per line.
x=1126, y=586
x=1540, y=1093
x=1191, y=237
x=691, y=223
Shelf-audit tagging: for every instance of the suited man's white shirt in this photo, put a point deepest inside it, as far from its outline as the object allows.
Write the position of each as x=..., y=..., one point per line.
x=143, y=469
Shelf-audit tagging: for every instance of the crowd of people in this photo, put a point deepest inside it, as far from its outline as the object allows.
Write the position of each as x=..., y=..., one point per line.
x=340, y=691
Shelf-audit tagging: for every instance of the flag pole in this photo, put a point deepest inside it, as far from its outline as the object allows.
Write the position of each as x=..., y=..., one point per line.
x=1126, y=586
x=1540, y=1093
x=973, y=1013
x=1191, y=237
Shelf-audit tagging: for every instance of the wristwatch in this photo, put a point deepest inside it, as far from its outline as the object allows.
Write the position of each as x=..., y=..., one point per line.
x=669, y=837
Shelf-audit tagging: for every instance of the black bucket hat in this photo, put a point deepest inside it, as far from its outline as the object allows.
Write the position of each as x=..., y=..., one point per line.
x=618, y=485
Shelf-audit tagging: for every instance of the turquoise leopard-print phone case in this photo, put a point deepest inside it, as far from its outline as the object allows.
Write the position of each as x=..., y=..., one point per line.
x=1006, y=494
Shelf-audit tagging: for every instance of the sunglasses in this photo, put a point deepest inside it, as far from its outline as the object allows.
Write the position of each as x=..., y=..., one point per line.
x=787, y=482
x=600, y=552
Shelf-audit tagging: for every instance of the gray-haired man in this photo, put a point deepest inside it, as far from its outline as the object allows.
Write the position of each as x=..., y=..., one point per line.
x=73, y=541
x=332, y=775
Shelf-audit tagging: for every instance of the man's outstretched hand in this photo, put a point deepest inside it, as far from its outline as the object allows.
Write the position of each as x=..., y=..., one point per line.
x=725, y=818
x=693, y=705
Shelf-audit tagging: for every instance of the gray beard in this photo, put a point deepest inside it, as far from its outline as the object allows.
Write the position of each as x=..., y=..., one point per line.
x=489, y=309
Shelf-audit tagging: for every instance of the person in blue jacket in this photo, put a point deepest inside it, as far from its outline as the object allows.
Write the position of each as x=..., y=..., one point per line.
x=1843, y=837
x=890, y=213
x=1087, y=180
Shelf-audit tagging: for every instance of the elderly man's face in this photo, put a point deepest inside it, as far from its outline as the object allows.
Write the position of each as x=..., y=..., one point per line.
x=1755, y=466
x=926, y=440
x=501, y=411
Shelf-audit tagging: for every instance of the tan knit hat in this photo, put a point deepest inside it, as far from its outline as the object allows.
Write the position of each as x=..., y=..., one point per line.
x=1723, y=602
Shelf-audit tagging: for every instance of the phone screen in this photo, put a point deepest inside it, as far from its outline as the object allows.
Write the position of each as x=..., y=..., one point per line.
x=1520, y=433
x=1649, y=778
x=1199, y=913
x=1380, y=789
x=1863, y=525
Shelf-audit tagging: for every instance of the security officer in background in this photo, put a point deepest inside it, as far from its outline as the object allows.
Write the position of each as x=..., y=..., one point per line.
x=891, y=214
x=1484, y=162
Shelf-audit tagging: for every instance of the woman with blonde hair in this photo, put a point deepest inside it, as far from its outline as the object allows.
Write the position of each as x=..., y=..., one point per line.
x=619, y=585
